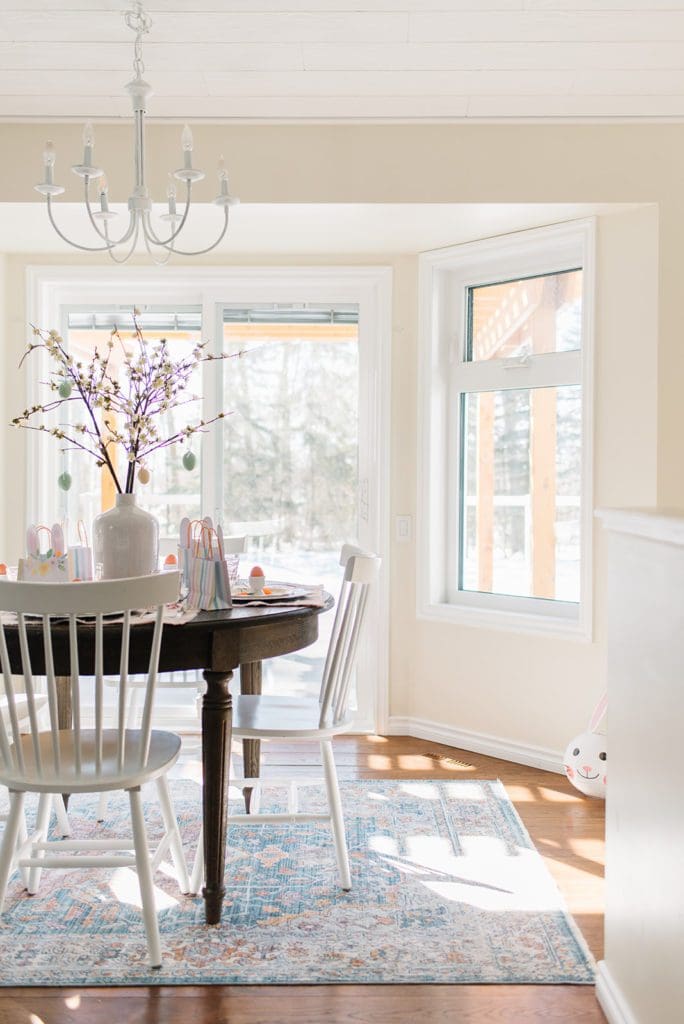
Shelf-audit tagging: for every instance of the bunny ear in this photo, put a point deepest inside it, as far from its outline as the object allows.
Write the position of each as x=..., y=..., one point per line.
x=32, y=540
x=598, y=713
x=58, y=539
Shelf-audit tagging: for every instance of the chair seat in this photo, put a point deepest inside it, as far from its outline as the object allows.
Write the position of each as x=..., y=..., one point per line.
x=164, y=750
x=259, y=715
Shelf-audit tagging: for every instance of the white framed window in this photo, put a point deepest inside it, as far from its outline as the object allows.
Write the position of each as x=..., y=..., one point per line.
x=505, y=417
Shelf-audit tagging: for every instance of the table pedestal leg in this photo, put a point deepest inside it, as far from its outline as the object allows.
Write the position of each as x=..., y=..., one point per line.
x=250, y=682
x=63, y=684
x=216, y=733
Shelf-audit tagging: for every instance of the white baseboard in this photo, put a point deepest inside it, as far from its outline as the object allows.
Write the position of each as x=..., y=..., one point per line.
x=477, y=742
x=611, y=999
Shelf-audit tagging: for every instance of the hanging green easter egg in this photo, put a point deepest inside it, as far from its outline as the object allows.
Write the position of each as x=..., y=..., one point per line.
x=65, y=389
x=64, y=480
x=189, y=461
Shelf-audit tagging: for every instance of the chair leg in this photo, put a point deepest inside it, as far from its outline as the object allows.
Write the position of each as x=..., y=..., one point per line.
x=21, y=839
x=10, y=836
x=197, y=875
x=142, y=861
x=102, y=804
x=336, y=818
x=42, y=826
x=172, y=830
x=61, y=814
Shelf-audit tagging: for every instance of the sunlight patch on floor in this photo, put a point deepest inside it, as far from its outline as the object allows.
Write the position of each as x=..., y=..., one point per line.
x=556, y=796
x=424, y=790
x=521, y=794
x=414, y=763
x=486, y=874
x=379, y=762
x=124, y=886
x=464, y=791
x=588, y=848
x=383, y=844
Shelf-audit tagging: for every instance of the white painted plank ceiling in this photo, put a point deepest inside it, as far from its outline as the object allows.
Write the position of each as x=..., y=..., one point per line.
x=347, y=59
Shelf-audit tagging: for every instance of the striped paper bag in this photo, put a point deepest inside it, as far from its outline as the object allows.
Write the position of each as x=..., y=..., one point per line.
x=208, y=582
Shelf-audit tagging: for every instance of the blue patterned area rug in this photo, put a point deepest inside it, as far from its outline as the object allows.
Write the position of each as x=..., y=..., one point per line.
x=447, y=888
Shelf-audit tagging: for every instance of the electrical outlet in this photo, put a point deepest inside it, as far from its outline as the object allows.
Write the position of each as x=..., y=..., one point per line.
x=403, y=529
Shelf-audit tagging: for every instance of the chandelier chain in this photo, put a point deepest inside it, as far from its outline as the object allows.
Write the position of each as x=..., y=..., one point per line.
x=140, y=22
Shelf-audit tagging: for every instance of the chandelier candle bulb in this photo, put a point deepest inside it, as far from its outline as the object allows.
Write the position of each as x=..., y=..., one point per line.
x=187, y=142
x=104, y=213
x=88, y=144
x=172, y=216
x=49, y=157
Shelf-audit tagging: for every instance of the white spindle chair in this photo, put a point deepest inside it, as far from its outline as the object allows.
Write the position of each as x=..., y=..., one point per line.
x=79, y=760
x=268, y=717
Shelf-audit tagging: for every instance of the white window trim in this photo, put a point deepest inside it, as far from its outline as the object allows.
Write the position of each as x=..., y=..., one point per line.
x=49, y=288
x=443, y=274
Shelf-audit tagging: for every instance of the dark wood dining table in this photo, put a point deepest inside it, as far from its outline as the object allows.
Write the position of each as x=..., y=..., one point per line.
x=217, y=643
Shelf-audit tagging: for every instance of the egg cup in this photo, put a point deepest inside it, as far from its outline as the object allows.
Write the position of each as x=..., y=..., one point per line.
x=257, y=584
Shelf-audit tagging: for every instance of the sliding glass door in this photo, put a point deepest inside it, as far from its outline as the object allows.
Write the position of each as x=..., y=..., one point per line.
x=300, y=464
x=287, y=460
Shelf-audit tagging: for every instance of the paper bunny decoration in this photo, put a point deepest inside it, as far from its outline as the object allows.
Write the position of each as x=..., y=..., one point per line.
x=585, y=760
x=50, y=566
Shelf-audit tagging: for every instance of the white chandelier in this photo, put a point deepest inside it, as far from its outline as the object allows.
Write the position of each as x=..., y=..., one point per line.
x=139, y=202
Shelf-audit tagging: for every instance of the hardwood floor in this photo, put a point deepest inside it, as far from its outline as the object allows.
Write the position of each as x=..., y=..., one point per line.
x=566, y=828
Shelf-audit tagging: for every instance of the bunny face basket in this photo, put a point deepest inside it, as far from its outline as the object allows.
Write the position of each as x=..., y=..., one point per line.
x=44, y=566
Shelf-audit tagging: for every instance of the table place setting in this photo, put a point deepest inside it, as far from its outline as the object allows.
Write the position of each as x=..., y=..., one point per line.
x=280, y=595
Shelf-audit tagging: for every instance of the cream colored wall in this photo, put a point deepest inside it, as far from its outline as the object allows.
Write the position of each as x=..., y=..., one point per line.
x=528, y=690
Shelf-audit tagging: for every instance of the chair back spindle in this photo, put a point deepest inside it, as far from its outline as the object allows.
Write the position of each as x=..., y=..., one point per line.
x=361, y=569
x=53, y=708
x=73, y=616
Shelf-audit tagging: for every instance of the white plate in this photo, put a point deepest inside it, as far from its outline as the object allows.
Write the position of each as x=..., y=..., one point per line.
x=279, y=592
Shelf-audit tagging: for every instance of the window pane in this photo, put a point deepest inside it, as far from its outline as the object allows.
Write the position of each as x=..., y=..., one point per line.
x=521, y=453
x=290, y=455
x=529, y=316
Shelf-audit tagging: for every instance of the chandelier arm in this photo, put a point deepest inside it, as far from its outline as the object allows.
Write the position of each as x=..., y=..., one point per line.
x=201, y=252
x=159, y=261
x=105, y=234
x=123, y=259
x=84, y=248
x=165, y=242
